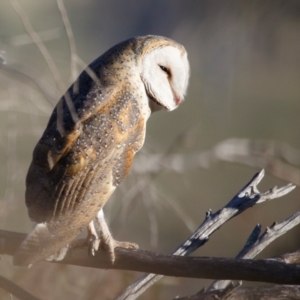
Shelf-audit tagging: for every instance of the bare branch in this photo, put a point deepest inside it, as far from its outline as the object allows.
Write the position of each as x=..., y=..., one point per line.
x=255, y=243
x=246, y=198
x=192, y=267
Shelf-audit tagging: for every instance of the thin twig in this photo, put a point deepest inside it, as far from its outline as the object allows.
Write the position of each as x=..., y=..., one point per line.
x=23, y=72
x=279, y=159
x=87, y=69
x=217, y=295
x=41, y=46
x=50, y=62
x=71, y=40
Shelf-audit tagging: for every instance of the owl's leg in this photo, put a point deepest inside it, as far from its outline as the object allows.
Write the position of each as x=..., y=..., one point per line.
x=107, y=241
x=93, y=239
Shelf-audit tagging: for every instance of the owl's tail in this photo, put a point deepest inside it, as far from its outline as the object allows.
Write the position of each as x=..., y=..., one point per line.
x=44, y=242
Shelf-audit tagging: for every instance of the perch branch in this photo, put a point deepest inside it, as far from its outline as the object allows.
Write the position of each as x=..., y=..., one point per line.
x=191, y=267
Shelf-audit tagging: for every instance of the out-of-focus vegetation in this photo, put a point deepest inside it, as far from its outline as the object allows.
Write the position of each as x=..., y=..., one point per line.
x=245, y=82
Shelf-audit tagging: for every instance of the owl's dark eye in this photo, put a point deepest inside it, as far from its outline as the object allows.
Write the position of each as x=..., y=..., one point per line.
x=166, y=70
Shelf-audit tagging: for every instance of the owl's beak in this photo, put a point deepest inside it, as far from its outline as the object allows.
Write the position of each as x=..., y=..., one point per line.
x=178, y=100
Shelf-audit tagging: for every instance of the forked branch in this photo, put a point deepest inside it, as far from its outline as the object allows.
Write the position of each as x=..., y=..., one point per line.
x=246, y=198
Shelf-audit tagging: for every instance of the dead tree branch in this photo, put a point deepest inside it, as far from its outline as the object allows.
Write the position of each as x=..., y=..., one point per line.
x=255, y=243
x=243, y=200
x=170, y=265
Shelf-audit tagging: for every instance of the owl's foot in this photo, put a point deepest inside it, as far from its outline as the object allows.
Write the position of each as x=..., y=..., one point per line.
x=107, y=242
x=59, y=255
x=93, y=239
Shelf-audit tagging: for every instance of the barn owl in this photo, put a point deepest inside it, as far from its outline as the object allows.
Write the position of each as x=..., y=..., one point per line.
x=89, y=143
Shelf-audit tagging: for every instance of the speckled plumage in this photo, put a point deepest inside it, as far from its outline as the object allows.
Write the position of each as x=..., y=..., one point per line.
x=89, y=143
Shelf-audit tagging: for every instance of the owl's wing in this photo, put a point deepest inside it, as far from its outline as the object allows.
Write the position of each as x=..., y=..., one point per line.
x=64, y=156
x=83, y=99
x=90, y=158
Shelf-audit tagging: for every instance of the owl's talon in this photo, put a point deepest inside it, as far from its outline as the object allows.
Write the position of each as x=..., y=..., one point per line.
x=93, y=245
x=126, y=245
x=109, y=244
x=59, y=255
x=93, y=239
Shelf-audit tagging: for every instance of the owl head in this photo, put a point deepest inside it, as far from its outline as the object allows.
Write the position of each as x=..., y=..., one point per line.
x=164, y=70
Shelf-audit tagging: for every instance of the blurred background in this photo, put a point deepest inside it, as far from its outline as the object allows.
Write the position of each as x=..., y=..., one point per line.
x=242, y=113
